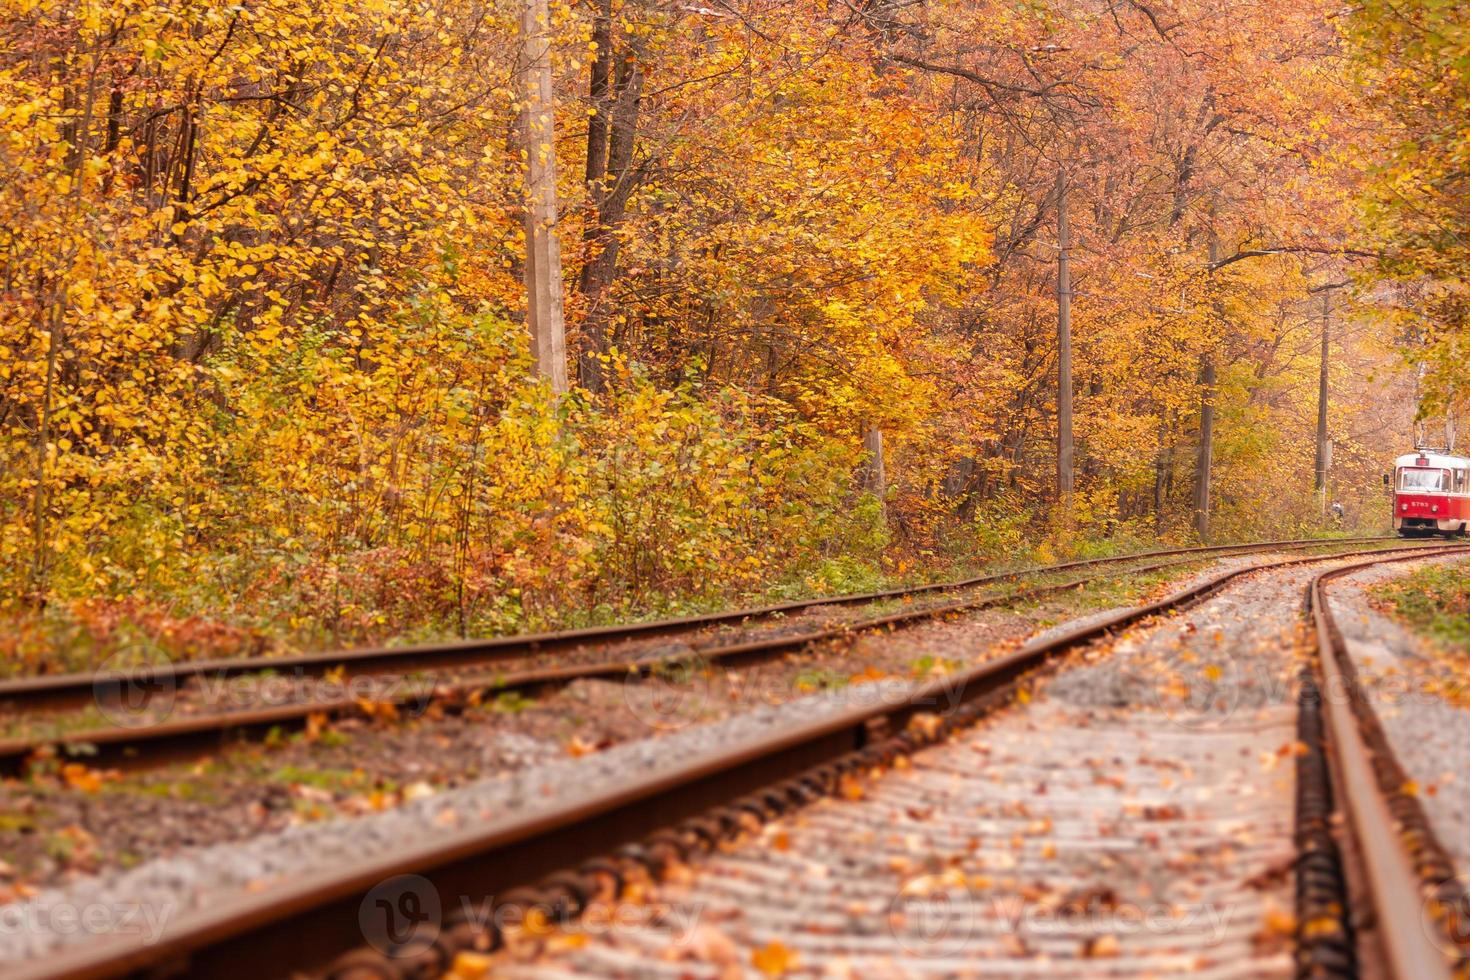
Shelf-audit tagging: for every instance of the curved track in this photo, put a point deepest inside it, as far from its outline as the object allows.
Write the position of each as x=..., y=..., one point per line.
x=560, y=859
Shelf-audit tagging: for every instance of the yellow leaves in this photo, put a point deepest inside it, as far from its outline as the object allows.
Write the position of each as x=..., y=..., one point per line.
x=578, y=746
x=417, y=791
x=469, y=966
x=1279, y=923
x=302, y=367
x=378, y=710
x=926, y=885
x=926, y=723
x=774, y=959
x=316, y=724
x=81, y=778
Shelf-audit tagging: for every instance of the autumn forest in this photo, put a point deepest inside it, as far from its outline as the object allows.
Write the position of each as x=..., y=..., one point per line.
x=842, y=292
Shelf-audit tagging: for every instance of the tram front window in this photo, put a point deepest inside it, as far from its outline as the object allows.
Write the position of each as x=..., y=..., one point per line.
x=1421, y=479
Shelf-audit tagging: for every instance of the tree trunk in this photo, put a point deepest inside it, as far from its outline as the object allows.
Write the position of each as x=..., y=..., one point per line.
x=875, y=481
x=610, y=183
x=597, y=91
x=1205, y=459
x=1065, y=484
x=543, y=251
x=40, y=543
x=1163, y=471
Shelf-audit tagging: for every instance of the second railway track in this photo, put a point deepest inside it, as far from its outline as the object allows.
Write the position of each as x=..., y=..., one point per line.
x=141, y=736
x=64, y=691
x=778, y=843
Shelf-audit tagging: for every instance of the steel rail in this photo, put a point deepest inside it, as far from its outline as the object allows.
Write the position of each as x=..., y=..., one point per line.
x=150, y=745
x=303, y=925
x=1411, y=880
x=62, y=692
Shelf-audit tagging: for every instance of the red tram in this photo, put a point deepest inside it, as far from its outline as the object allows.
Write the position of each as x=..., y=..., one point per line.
x=1431, y=494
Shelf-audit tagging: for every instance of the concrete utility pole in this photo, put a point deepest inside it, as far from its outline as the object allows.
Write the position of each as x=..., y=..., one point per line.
x=1065, y=484
x=1206, y=445
x=543, y=251
x=1205, y=461
x=1323, y=449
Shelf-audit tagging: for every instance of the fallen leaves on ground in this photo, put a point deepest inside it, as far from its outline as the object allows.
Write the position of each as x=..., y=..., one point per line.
x=774, y=959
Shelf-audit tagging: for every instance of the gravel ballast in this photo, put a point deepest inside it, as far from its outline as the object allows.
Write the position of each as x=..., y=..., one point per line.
x=1153, y=771
x=168, y=889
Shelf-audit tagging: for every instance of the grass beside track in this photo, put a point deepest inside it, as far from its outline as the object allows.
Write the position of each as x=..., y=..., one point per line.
x=79, y=636
x=1433, y=601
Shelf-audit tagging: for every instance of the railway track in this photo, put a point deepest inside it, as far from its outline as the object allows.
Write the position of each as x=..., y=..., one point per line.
x=1420, y=922
x=790, y=829
x=147, y=728
x=68, y=691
